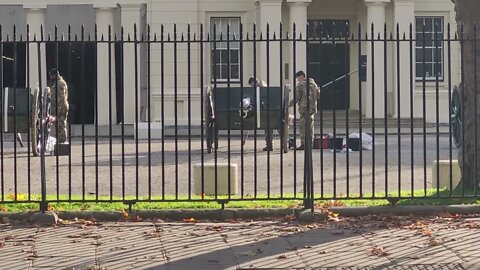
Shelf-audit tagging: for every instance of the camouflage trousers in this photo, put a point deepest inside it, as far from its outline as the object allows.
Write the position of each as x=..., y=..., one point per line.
x=269, y=137
x=61, y=123
x=302, y=122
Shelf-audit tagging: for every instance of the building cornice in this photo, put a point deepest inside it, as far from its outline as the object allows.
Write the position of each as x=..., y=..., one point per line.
x=43, y=3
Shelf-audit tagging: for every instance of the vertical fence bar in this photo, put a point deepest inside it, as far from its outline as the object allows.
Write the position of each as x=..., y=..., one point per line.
x=149, y=116
x=475, y=100
x=309, y=125
x=385, y=100
x=462, y=95
x=282, y=89
x=242, y=92
x=43, y=177
x=69, y=65
x=267, y=130
x=334, y=114
x=29, y=105
x=424, y=112
x=122, y=89
x=320, y=113
x=412, y=141
x=399, y=141
x=82, y=107
x=203, y=117
x=294, y=67
x=347, y=98
x=215, y=133
x=437, y=103
x=372, y=42
x=57, y=158
x=135, y=52
x=2, y=173
x=175, y=104
x=96, y=111
x=189, y=101
x=14, y=79
x=360, y=108
x=449, y=72
x=110, y=118
x=255, y=169
x=162, y=101
x=228, y=112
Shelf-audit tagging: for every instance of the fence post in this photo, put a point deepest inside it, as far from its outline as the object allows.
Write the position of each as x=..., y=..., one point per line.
x=43, y=178
x=308, y=166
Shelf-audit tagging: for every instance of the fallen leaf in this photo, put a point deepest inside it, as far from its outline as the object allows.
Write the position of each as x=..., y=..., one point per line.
x=378, y=251
x=2, y=244
x=124, y=213
x=10, y=237
x=214, y=228
x=290, y=218
x=189, y=220
x=427, y=232
x=432, y=241
x=283, y=256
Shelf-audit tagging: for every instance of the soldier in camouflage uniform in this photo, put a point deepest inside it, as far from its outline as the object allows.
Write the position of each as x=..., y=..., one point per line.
x=307, y=107
x=59, y=98
x=268, y=132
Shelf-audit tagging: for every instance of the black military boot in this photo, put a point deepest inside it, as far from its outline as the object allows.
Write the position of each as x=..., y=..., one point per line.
x=268, y=148
x=301, y=147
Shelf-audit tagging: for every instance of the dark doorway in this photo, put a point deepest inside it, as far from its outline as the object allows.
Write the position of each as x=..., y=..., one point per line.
x=14, y=64
x=77, y=64
x=328, y=61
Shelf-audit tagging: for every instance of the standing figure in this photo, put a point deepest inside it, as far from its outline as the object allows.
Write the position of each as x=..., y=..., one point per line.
x=268, y=132
x=59, y=98
x=307, y=105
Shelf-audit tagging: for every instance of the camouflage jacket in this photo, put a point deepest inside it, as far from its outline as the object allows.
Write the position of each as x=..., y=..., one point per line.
x=59, y=93
x=301, y=97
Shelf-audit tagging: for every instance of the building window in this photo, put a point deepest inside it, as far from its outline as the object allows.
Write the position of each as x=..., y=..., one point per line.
x=429, y=48
x=225, y=55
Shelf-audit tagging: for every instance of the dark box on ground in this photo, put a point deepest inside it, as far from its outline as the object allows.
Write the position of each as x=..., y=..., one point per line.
x=61, y=149
x=321, y=142
x=336, y=143
x=354, y=144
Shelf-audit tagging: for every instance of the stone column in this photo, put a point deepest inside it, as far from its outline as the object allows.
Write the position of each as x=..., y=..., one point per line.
x=375, y=107
x=130, y=16
x=35, y=16
x=105, y=74
x=404, y=15
x=298, y=16
x=271, y=14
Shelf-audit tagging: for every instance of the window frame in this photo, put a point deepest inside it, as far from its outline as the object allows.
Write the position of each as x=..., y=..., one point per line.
x=431, y=49
x=233, y=46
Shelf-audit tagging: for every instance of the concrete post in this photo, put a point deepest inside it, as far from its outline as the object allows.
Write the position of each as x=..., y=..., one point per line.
x=130, y=16
x=104, y=19
x=271, y=14
x=404, y=15
x=375, y=107
x=35, y=16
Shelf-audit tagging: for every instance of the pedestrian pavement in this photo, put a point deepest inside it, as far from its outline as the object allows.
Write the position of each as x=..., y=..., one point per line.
x=367, y=242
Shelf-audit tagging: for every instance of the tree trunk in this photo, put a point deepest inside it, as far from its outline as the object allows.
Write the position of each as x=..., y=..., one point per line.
x=467, y=17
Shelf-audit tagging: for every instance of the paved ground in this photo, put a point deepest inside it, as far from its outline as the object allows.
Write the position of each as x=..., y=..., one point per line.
x=167, y=168
x=369, y=242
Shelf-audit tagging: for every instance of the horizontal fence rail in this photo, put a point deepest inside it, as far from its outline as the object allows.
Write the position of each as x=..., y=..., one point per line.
x=172, y=115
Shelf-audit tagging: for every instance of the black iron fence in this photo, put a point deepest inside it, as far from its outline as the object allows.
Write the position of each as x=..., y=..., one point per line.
x=170, y=116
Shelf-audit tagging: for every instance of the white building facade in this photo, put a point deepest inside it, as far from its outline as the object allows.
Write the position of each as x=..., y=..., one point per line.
x=167, y=80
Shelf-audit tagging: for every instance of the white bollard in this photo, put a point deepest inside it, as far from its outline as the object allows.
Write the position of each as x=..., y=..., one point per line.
x=444, y=173
x=209, y=179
